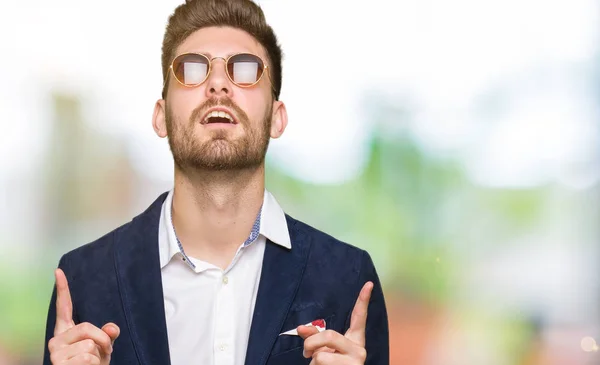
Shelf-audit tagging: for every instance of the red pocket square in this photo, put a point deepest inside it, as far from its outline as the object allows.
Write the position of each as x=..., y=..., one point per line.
x=319, y=323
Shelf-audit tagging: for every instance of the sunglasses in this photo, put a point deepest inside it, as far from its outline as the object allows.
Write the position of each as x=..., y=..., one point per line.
x=192, y=69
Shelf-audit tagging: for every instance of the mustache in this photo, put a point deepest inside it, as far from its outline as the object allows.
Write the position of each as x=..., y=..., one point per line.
x=214, y=102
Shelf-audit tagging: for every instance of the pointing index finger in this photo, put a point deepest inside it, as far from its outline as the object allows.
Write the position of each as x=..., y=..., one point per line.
x=64, y=306
x=358, y=320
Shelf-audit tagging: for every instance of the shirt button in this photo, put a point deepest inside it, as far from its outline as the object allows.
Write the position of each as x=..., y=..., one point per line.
x=222, y=347
x=225, y=280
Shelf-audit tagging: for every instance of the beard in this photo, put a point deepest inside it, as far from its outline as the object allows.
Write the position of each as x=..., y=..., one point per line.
x=218, y=153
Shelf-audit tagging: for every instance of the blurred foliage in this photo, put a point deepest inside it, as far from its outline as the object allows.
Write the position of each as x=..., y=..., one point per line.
x=24, y=306
x=411, y=211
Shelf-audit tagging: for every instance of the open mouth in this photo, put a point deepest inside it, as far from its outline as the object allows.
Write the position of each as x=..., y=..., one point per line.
x=218, y=117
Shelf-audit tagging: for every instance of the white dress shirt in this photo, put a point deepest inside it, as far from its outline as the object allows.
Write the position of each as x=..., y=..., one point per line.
x=209, y=310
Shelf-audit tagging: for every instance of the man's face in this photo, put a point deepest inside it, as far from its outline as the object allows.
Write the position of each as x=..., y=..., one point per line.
x=200, y=143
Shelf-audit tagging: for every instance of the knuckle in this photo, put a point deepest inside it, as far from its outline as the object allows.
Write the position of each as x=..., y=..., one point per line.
x=85, y=327
x=362, y=354
x=89, y=345
x=330, y=335
x=308, y=345
x=54, y=358
x=52, y=345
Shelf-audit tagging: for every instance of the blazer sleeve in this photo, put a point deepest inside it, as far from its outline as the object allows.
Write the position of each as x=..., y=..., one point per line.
x=377, y=339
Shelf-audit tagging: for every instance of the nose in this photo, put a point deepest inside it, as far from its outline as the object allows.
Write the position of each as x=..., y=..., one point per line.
x=219, y=84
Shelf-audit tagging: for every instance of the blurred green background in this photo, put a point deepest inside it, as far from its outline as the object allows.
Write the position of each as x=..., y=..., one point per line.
x=458, y=142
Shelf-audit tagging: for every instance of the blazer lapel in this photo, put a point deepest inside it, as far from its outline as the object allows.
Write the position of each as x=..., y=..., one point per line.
x=140, y=284
x=281, y=274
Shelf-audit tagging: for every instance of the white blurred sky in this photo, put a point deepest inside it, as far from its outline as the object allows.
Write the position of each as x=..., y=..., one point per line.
x=441, y=58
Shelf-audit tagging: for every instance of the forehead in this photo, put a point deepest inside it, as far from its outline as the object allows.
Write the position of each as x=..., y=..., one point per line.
x=221, y=42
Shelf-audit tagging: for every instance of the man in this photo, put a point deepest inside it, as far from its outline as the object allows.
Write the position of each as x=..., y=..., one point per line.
x=214, y=272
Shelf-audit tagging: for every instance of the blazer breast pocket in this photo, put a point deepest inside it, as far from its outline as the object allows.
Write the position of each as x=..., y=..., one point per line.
x=288, y=343
x=291, y=357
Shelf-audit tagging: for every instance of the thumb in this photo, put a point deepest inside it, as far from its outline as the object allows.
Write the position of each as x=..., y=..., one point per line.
x=64, y=305
x=306, y=331
x=112, y=330
x=358, y=320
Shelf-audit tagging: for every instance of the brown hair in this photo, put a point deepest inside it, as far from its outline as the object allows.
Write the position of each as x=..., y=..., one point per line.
x=242, y=14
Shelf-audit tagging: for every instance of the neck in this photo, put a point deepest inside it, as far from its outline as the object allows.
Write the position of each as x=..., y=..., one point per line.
x=213, y=211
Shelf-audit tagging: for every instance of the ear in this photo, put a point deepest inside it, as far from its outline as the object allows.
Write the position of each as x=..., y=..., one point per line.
x=159, y=122
x=279, y=119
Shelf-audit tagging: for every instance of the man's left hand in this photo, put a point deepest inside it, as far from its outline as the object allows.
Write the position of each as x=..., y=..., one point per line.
x=333, y=348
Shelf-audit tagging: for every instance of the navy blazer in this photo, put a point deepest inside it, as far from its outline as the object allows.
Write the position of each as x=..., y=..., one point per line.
x=117, y=279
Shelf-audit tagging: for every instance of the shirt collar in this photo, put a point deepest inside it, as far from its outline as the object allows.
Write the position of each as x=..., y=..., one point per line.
x=270, y=223
x=273, y=224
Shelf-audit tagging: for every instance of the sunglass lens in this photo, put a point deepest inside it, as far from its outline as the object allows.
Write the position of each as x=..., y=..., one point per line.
x=190, y=69
x=245, y=69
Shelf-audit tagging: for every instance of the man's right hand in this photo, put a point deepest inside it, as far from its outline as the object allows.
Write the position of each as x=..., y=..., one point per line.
x=78, y=344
